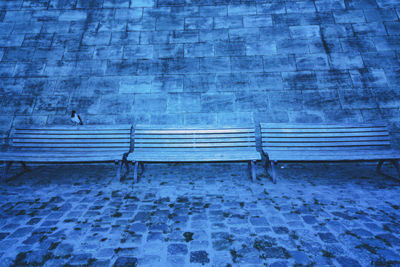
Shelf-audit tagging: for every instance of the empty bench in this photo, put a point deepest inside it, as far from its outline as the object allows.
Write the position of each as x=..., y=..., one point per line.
x=326, y=142
x=68, y=144
x=163, y=144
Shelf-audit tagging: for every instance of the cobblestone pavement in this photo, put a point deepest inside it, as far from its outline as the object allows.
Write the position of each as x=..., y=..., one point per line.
x=200, y=214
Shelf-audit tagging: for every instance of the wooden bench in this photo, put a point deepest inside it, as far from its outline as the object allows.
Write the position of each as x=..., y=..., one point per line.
x=164, y=144
x=326, y=142
x=68, y=144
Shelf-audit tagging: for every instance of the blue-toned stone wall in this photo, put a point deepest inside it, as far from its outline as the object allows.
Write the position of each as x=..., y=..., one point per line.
x=191, y=62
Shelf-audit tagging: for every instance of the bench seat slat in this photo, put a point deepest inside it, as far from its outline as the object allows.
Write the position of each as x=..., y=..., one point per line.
x=194, y=156
x=192, y=131
x=161, y=145
x=71, y=141
x=332, y=130
x=320, y=126
x=72, y=132
x=327, y=144
x=76, y=128
x=191, y=136
x=195, y=140
x=322, y=135
x=71, y=136
x=122, y=144
x=332, y=155
x=326, y=139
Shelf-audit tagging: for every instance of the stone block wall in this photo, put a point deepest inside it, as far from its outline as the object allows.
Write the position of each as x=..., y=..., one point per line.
x=190, y=62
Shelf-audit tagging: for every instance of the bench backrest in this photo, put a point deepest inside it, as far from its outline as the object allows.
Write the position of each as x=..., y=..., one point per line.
x=85, y=138
x=161, y=138
x=281, y=136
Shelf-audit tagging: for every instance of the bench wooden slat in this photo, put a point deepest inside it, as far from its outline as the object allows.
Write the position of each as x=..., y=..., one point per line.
x=192, y=131
x=189, y=140
x=332, y=155
x=73, y=136
x=325, y=139
x=75, y=128
x=161, y=145
x=333, y=130
x=88, y=145
x=320, y=126
x=322, y=135
x=196, y=136
x=72, y=141
x=69, y=132
x=327, y=144
x=197, y=156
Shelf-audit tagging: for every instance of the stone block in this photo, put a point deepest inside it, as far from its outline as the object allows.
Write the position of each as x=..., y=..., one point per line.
x=301, y=80
x=214, y=35
x=138, y=51
x=349, y=16
x=380, y=14
x=271, y=115
x=214, y=11
x=116, y=3
x=84, y=105
x=232, y=82
x=215, y=65
x=386, y=43
x=278, y=63
x=183, y=103
x=230, y=49
x=17, y=15
x=271, y=8
x=333, y=79
x=346, y=61
x=228, y=22
x=343, y=115
x=305, y=32
x=300, y=7
x=143, y=3
x=357, y=99
x=29, y=120
x=292, y=46
x=99, y=38
x=285, y=100
x=50, y=105
x=79, y=27
x=39, y=86
x=108, y=52
x=247, y=64
x=180, y=65
x=155, y=37
x=251, y=101
x=207, y=119
x=306, y=116
x=11, y=86
x=329, y=5
x=330, y=31
x=98, y=86
x=312, y=62
x=14, y=54
x=135, y=84
x=369, y=29
x=242, y=9
x=17, y=104
x=257, y=21
x=69, y=85
x=48, y=54
x=185, y=11
x=199, y=50
x=242, y=119
x=387, y=97
x=72, y=15
x=326, y=46
x=149, y=66
x=92, y=4
x=260, y=48
x=171, y=2
x=166, y=119
x=167, y=83
x=121, y=67
x=217, y=102
x=124, y=14
x=112, y=26
x=187, y=36
x=248, y=35
x=363, y=78
x=116, y=104
x=321, y=100
x=91, y=67
x=197, y=23
x=29, y=69
x=170, y=23
x=80, y=53
x=142, y=24
x=125, y=38
x=199, y=83
x=7, y=69
x=151, y=103
x=67, y=40
x=354, y=45
x=60, y=68
x=6, y=28
x=168, y=51
x=37, y=40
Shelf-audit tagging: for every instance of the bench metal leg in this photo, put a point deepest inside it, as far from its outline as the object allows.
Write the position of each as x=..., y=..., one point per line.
x=24, y=166
x=126, y=163
x=253, y=170
x=7, y=166
x=119, y=163
x=397, y=166
x=141, y=167
x=379, y=166
x=274, y=164
x=135, y=173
